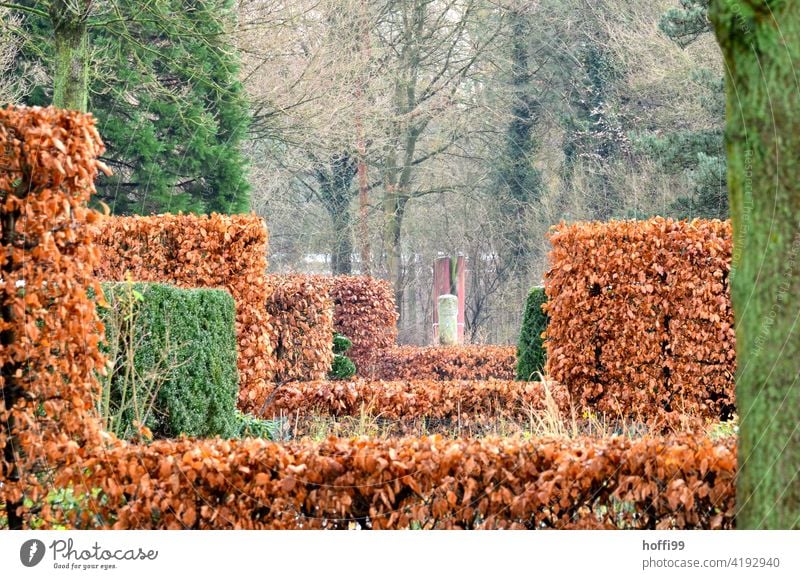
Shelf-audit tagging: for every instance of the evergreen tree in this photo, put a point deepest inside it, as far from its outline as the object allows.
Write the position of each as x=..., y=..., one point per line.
x=531, y=353
x=163, y=85
x=700, y=155
x=591, y=134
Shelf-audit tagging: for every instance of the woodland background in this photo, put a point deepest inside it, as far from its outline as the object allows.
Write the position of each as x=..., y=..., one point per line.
x=376, y=135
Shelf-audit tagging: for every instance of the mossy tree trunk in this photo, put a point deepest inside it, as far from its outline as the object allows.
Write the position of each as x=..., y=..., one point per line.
x=518, y=179
x=394, y=206
x=71, y=66
x=760, y=40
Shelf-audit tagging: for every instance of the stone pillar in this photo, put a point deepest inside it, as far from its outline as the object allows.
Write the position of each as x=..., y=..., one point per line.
x=448, y=319
x=449, y=278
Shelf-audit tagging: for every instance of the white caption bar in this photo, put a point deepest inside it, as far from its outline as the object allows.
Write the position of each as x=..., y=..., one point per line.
x=417, y=555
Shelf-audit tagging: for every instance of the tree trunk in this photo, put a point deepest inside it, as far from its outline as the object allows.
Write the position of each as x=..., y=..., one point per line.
x=363, y=181
x=335, y=180
x=760, y=40
x=518, y=177
x=363, y=213
x=393, y=210
x=71, y=67
x=342, y=249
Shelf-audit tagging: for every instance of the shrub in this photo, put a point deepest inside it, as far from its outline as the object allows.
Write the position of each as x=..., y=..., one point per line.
x=49, y=330
x=300, y=313
x=365, y=312
x=451, y=400
x=473, y=362
x=248, y=426
x=640, y=317
x=341, y=344
x=531, y=354
x=650, y=483
x=173, y=352
x=342, y=368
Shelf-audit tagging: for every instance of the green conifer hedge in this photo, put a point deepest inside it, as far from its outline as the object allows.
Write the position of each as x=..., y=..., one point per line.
x=531, y=354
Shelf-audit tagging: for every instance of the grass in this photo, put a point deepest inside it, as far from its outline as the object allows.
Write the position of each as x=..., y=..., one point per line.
x=549, y=421
x=721, y=430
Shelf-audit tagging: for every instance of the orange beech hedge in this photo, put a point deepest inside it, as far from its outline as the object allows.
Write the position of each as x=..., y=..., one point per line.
x=431, y=482
x=301, y=314
x=49, y=330
x=365, y=312
x=472, y=362
x=443, y=400
x=641, y=317
x=224, y=251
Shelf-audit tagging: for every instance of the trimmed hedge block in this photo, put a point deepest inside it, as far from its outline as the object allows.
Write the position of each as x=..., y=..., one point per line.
x=685, y=482
x=363, y=311
x=470, y=362
x=184, y=348
x=641, y=318
x=300, y=311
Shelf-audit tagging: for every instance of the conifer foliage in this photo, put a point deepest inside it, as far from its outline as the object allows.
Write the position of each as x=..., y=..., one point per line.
x=163, y=85
x=531, y=354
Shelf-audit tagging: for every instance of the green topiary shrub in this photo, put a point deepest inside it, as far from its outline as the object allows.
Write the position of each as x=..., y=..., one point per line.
x=172, y=354
x=341, y=343
x=531, y=353
x=342, y=367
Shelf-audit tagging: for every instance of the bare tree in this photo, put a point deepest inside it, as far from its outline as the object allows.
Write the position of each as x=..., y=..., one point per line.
x=426, y=96
x=307, y=71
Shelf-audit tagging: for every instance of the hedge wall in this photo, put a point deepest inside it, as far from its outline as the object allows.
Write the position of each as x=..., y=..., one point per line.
x=641, y=318
x=364, y=312
x=531, y=353
x=217, y=251
x=50, y=335
x=465, y=401
x=473, y=362
x=283, y=325
x=683, y=483
x=49, y=330
x=300, y=309
x=184, y=343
